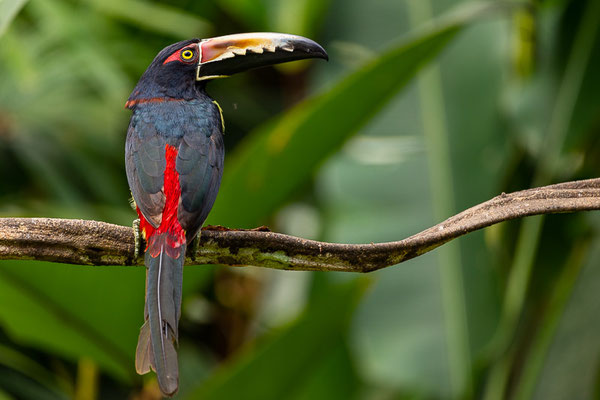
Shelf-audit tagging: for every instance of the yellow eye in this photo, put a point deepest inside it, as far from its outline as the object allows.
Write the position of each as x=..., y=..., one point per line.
x=187, y=54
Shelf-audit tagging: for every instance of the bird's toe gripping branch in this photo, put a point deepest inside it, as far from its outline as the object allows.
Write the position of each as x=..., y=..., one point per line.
x=140, y=243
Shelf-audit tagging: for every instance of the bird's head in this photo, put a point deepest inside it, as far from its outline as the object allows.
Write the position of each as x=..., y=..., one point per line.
x=179, y=69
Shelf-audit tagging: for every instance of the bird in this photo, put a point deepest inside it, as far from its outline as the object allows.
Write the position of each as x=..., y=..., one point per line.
x=174, y=156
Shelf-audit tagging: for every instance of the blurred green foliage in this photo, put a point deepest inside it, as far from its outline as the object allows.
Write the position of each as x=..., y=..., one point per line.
x=379, y=143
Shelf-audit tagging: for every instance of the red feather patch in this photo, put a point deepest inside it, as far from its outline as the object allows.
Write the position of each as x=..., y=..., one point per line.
x=169, y=225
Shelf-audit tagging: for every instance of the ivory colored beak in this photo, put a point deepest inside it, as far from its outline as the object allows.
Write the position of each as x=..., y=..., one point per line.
x=226, y=55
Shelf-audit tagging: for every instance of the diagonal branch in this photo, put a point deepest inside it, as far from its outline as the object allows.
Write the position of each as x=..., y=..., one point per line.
x=99, y=243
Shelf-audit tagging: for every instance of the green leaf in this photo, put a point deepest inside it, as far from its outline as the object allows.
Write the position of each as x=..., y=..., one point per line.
x=75, y=311
x=17, y=361
x=332, y=376
x=4, y=396
x=156, y=17
x=290, y=364
x=22, y=388
x=559, y=311
x=282, y=154
x=568, y=361
x=399, y=331
x=79, y=311
x=8, y=11
x=253, y=13
x=303, y=17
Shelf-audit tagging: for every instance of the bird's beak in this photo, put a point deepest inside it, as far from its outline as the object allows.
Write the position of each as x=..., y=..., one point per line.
x=226, y=55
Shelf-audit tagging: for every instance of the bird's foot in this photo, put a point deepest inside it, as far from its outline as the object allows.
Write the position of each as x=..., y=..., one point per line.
x=139, y=240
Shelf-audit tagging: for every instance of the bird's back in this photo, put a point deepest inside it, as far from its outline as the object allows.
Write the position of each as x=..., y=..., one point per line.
x=193, y=130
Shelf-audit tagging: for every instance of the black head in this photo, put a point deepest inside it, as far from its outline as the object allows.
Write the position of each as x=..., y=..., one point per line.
x=180, y=70
x=172, y=73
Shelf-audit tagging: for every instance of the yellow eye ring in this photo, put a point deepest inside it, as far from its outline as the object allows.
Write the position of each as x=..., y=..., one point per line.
x=187, y=54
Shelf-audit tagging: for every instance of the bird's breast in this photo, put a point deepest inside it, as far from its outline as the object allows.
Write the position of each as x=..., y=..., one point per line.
x=177, y=118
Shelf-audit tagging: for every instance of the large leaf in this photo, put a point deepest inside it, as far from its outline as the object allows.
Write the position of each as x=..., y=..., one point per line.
x=74, y=311
x=567, y=363
x=378, y=189
x=4, y=396
x=279, y=156
x=78, y=311
x=29, y=368
x=156, y=17
x=8, y=10
x=249, y=12
x=398, y=336
x=299, y=362
x=303, y=17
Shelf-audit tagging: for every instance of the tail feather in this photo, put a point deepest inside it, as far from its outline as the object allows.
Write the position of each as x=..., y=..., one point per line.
x=159, y=334
x=143, y=352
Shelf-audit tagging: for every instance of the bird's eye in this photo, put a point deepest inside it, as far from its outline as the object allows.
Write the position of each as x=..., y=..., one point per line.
x=187, y=55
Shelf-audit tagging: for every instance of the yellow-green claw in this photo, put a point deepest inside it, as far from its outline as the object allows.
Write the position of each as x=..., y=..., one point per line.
x=138, y=248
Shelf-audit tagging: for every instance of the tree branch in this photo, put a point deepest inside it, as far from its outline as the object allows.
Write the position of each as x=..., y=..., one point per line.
x=99, y=243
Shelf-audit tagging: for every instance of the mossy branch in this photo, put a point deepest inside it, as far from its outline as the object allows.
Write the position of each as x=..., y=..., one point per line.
x=98, y=243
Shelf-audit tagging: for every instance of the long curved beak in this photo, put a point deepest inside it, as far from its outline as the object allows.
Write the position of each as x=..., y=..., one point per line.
x=226, y=55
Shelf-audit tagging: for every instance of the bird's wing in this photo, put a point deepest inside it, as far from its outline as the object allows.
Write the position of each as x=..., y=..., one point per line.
x=200, y=166
x=145, y=165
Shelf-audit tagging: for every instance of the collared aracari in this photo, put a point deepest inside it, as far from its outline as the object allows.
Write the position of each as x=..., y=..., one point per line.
x=174, y=161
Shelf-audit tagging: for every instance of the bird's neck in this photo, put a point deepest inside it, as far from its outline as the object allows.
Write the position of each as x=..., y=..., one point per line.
x=150, y=91
x=131, y=103
x=141, y=95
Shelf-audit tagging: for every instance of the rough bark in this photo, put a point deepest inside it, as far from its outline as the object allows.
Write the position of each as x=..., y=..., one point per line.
x=98, y=243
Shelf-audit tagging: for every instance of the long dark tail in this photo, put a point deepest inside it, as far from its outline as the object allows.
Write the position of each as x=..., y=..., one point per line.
x=159, y=334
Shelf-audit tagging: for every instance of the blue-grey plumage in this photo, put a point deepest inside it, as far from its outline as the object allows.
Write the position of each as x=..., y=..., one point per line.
x=193, y=128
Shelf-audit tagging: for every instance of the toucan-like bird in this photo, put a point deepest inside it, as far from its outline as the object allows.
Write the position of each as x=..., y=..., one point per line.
x=174, y=160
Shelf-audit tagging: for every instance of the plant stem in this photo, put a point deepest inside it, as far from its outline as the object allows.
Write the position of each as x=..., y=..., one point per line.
x=529, y=235
x=433, y=117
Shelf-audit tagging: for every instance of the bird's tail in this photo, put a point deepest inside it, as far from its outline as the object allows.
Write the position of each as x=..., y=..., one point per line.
x=158, y=336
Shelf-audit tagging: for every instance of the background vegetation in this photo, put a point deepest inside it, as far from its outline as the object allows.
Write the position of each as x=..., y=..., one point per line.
x=384, y=140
